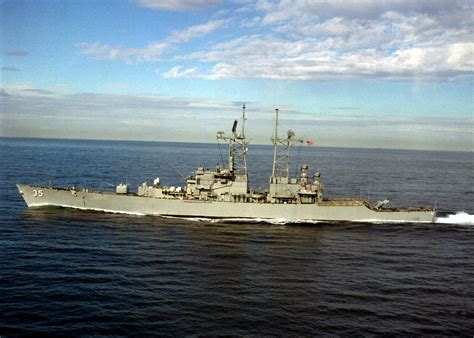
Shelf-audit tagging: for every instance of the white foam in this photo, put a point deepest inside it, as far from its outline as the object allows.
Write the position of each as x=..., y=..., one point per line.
x=235, y=219
x=82, y=208
x=277, y=221
x=258, y=220
x=461, y=218
x=192, y=219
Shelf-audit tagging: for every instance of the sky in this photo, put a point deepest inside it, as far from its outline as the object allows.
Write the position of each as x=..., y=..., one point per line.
x=377, y=74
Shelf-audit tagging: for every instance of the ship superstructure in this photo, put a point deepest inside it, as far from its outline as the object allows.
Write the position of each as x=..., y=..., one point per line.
x=224, y=192
x=230, y=183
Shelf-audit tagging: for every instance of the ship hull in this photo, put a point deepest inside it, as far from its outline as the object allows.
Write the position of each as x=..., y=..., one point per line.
x=36, y=196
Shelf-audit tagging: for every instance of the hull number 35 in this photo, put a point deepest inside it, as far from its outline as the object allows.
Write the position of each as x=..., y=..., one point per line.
x=37, y=193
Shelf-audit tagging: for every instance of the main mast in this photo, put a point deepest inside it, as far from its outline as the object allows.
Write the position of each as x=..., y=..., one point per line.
x=275, y=145
x=237, y=162
x=281, y=151
x=244, y=143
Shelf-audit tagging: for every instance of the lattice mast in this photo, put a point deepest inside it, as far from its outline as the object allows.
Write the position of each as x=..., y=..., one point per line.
x=244, y=143
x=281, y=150
x=237, y=161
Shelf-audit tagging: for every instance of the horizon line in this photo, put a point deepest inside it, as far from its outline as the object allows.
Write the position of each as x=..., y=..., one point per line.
x=211, y=143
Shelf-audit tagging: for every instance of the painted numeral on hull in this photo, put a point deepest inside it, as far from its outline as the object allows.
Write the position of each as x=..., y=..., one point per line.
x=37, y=193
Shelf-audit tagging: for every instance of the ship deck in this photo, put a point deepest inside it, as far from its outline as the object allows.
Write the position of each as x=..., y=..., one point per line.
x=334, y=202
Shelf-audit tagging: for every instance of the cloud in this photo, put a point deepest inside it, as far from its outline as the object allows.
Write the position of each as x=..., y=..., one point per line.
x=180, y=72
x=196, y=31
x=277, y=11
x=152, y=51
x=178, y=5
x=26, y=99
x=17, y=53
x=38, y=91
x=27, y=111
x=25, y=90
x=145, y=123
x=316, y=40
x=400, y=40
x=30, y=109
x=346, y=108
x=10, y=69
x=115, y=86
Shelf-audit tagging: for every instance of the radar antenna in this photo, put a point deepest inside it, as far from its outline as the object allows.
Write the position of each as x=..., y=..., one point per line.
x=237, y=162
x=281, y=150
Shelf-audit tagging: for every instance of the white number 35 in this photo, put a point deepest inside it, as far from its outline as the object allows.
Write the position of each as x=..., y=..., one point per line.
x=37, y=193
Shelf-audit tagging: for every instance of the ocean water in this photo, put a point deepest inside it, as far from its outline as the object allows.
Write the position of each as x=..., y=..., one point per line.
x=72, y=272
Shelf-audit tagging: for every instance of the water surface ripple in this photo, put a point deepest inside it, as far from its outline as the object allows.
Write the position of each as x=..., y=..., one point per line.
x=72, y=272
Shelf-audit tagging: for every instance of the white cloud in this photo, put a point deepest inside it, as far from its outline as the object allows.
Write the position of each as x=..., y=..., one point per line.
x=115, y=86
x=196, y=31
x=311, y=40
x=42, y=112
x=152, y=51
x=178, y=5
x=179, y=71
x=27, y=99
x=38, y=112
x=145, y=123
x=320, y=39
x=26, y=90
x=277, y=11
x=309, y=59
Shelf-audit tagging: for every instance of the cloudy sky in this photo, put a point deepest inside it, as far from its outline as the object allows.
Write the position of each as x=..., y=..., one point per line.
x=394, y=74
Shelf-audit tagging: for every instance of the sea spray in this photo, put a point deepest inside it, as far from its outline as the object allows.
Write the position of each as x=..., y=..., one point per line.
x=461, y=218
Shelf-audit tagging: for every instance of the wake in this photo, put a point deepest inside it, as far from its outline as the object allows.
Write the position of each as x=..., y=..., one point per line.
x=461, y=218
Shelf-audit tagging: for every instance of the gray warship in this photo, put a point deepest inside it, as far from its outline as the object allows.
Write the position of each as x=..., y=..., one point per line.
x=224, y=193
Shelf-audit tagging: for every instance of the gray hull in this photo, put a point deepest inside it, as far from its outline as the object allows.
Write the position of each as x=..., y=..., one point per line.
x=352, y=211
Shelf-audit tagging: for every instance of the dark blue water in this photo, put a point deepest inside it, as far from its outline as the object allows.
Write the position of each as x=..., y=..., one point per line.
x=70, y=272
